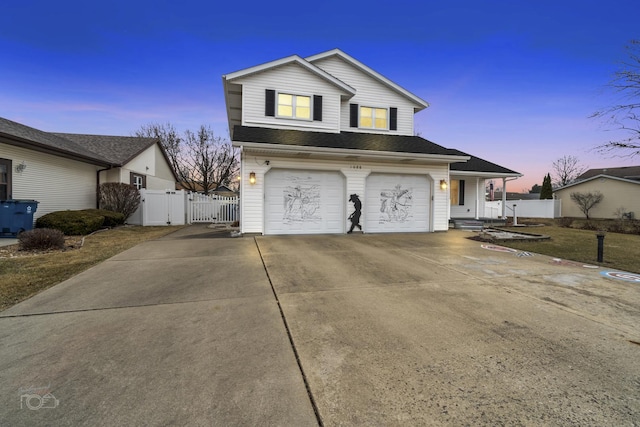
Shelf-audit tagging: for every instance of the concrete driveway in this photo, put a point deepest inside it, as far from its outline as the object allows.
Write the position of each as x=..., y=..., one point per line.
x=403, y=329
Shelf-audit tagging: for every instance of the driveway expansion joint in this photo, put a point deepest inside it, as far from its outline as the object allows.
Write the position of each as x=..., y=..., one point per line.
x=316, y=411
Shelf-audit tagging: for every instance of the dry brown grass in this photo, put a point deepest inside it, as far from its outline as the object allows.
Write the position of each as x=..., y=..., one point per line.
x=24, y=276
x=621, y=251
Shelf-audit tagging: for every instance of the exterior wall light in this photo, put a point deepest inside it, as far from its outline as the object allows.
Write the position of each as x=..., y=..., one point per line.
x=252, y=178
x=443, y=184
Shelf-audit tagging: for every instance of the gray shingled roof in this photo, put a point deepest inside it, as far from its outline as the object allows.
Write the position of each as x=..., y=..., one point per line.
x=95, y=149
x=626, y=172
x=364, y=141
x=346, y=140
x=45, y=141
x=117, y=150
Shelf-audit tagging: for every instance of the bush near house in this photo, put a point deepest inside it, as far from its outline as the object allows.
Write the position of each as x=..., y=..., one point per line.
x=41, y=239
x=83, y=222
x=119, y=197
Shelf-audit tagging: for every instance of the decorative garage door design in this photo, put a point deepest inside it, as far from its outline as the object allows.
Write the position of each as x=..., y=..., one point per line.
x=396, y=203
x=304, y=202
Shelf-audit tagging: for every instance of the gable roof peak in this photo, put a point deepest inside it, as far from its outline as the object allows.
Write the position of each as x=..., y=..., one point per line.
x=421, y=103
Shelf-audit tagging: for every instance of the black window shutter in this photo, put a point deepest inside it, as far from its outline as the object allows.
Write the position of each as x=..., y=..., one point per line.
x=317, y=108
x=461, y=198
x=353, y=115
x=393, y=118
x=270, y=103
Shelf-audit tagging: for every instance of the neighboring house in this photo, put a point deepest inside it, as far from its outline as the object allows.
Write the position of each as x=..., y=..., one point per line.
x=314, y=131
x=63, y=171
x=619, y=186
x=224, y=191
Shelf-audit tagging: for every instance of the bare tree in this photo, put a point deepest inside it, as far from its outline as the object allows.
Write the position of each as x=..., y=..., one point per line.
x=586, y=201
x=623, y=115
x=201, y=160
x=566, y=169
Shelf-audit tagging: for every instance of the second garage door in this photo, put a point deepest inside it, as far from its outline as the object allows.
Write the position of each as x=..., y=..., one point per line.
x=304, y=202
x=397, y=203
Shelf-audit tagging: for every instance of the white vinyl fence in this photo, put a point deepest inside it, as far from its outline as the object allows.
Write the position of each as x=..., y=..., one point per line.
x=212, y=208
x=551, y=208
x=177, y=207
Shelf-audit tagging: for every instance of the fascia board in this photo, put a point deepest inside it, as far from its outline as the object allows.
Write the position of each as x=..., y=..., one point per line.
x=485, y=174
x=615, y=178
x=439, y=158
x=421, y=102
x=288, y=60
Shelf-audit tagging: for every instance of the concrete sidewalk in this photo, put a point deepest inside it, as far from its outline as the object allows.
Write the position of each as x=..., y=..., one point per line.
x=183, y=330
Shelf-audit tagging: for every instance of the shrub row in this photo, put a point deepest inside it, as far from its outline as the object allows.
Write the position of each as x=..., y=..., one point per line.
x=74, y=223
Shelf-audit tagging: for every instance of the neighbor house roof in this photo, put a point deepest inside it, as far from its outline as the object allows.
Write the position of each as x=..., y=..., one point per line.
x=102, y=150
x=24, y=136
x=595, y=177
x=626, y=172
x=118, y=150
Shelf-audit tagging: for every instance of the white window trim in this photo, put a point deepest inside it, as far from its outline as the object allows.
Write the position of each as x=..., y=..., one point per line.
x=373, y=121
x=302, y=119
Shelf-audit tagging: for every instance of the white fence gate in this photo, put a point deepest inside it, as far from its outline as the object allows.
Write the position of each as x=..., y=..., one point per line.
x=212, y=208
x=176, y=207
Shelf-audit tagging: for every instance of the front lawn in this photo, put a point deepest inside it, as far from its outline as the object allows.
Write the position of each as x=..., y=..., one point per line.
x=24, y=276
x=621, y=251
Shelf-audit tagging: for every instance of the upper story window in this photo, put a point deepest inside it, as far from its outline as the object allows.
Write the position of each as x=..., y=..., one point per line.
x=373, y=118
x=294, y=106
x=288, y=105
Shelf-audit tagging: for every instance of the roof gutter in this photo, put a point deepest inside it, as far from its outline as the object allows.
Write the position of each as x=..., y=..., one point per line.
x=340, y=152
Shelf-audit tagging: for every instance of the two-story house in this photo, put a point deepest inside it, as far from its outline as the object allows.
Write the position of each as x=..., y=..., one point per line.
x=315, y=131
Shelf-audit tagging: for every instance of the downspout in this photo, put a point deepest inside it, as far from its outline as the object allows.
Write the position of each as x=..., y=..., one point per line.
x=504, y=195
x=98, y=185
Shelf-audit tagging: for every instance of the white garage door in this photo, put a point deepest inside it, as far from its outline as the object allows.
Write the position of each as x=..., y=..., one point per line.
x=396, y=203
x=304, y=202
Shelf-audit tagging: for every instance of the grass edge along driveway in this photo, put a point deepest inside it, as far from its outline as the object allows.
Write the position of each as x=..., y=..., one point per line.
x=24, y=276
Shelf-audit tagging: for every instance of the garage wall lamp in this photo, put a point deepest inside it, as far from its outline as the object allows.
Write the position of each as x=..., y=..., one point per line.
x=252, y=178
x=443, y=184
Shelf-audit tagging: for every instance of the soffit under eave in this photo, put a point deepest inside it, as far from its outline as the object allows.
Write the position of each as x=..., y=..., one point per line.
x=349, y=155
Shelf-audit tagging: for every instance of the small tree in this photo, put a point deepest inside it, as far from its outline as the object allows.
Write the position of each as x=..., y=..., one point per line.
x=119, y=197
x=586, y=201
x=566, y=169
x=535, y=189
x=547, y=190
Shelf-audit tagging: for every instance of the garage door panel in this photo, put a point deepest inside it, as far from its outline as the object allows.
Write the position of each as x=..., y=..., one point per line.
x=397, y=203
x=304, y=202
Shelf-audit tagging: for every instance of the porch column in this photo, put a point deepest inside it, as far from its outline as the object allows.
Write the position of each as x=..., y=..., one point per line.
x=504, y=198
x=477, y=216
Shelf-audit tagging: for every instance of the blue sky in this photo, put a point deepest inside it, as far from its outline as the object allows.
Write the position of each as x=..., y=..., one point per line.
x=509, y=81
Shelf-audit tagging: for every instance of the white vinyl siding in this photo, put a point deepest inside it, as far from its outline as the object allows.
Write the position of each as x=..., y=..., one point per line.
x=292, y=79
x=369, y=92
x=617, y=194
x=55, y=182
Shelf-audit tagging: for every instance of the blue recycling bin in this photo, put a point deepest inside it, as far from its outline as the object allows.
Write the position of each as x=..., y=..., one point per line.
x=16, y=216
